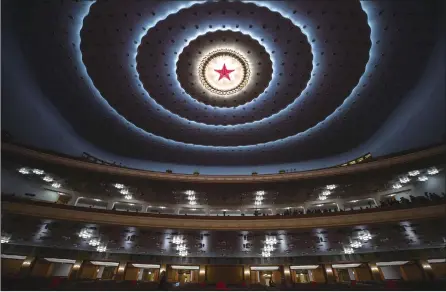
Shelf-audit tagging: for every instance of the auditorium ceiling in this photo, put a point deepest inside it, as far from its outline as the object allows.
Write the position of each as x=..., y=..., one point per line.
x=220, y=82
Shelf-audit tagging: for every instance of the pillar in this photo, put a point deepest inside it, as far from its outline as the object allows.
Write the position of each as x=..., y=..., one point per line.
x=428, y=272
x=76, y=270
x=374, y=270
x=110, y=205
x=73, y=200
x=27, y=265
x=121, y=271
x=286, y=274
x=329, y=275
x=202, y=274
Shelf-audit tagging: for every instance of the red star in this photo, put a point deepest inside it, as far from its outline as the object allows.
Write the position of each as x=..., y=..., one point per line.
x=224, y=72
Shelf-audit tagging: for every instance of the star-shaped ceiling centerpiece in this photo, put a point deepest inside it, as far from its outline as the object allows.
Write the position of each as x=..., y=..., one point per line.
x=224, y=72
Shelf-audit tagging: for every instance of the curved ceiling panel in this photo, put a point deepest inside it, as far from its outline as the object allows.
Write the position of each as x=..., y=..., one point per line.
x=333, y=74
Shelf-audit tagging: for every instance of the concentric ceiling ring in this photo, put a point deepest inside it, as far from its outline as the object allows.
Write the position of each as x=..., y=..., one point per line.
x=250, y=68
x=210, y=64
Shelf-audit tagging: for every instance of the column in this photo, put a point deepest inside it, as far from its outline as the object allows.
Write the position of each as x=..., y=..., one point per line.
x=27, y=265
x=374, y=270
x=329, y=275
x=246, y=274
x=121, y=271
x=428, y=272
x=76, y=270
x=110, y=205
x=202, y=274
x=286, y=274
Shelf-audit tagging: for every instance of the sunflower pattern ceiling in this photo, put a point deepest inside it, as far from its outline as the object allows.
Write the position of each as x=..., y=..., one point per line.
x=228, y=82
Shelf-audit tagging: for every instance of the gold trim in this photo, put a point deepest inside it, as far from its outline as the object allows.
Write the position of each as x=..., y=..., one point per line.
x=183, y=222
x=311, y=174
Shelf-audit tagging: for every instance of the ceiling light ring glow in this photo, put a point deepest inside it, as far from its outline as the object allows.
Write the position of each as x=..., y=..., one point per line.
x=170, y=141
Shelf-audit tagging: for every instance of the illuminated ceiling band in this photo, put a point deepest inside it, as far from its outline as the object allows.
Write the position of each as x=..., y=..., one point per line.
x=222, y=82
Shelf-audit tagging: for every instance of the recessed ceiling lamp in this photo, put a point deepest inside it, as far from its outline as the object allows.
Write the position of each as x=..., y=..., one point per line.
x=56, y=185
x=266, y=254
x=270, y=240
x=94, y=242
x=404, y=179
x=322, y=197
x=348, y=250
x=183, y=253
x=128, y=197
x=24, y=170
x=5, y=239
x=124, y=191
x=85, y=233
x=414, y=172
x=331, y=187
x=258, y=203
x=48, y=178
x=260, y=193
x=101, y=248
x=190, y=192
x=364, y=236
x=191, y=198
x=181, y=247
x=397, y=186
x=119, y=186
x=326, y=193
x=38, y=171
x=177, y=240
x=423, y=178
x=356, y=244
x=259, y=198
x=432, y=171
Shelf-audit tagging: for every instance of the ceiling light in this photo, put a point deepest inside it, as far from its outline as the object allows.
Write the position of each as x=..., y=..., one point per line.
x=56, y=185
x=144, y=266
x=354, y=201
x=264, y=268
x=404, y=179
x=270, y=240
x=177, y=240
x=331, y=187
x=190, y=192
x=414, y=172
x=432, y=171
x=259, y=198
x=24, y=170
x=348, y=250
x=192, y=202
x=309, y=267
x=119, y=186
x=436, y=261
x=94, y=242
x=181, y=247
x=394, y=263
x=97, y=200
x=5, y=239
x=61, y=261
x=177, y=267
x=268, y=248
x=320, y=205
x=183, y=253
x=345, y=266
x=423, y=178
x=162, y=207
x=128, y=197
x=322, y=197
x=13, y=257
x=191, y=198
x=258, y=203
x=397, y=186
x=85, y=233
x=356, y=244
x=108, y=264
x=48, y=178
x=365, y=236
x=124, y=191
x=260, y=193
x=326, y=193
x=101, y=248
x=38, y=171
x=265, y=254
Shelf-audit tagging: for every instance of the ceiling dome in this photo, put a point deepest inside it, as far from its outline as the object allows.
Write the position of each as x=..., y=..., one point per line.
x=227, y=82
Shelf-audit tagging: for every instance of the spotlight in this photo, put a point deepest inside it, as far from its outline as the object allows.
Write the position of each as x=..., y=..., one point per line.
x=348, y=250
x=128, y=197
x=432, y=171
x=423, y=178
x=24, y=170
x=124, y=191
x=331, y=187
x=48, y=178
x=101, y=248
x=397, y=186
x=119, y=186
x=414, y=173
x=56, y=185
x=322, y=197
x=326, y=193
x=404, y=179
x=38, y=171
